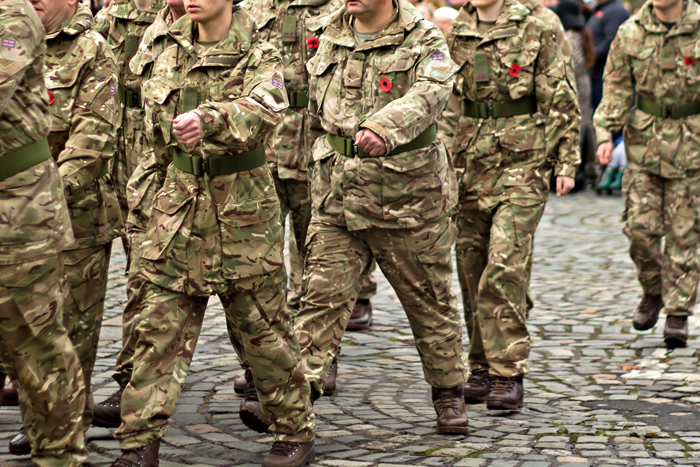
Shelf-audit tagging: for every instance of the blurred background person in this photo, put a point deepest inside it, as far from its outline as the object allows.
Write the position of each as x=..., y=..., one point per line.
x=426, y=10
x=444, y=17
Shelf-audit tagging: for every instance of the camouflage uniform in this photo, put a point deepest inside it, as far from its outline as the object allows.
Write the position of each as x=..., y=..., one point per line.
x=662, y=178
x=216, y=234
x=505, y=165
x=123, y=25
x=81, y=74
x=393, y=208
x=34, y=345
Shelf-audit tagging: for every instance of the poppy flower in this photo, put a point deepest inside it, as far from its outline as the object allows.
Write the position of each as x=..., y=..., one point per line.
x=599, y=14
x=385, y=84
x=689, y=61
x=515, y=70
x=312, y=43
x=51, y=98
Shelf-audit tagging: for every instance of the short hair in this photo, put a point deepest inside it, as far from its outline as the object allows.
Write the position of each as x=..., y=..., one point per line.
x=445, y=12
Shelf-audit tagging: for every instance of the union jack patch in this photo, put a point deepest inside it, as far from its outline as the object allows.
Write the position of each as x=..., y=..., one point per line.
x=9, y=43
x=112, y=89
x=438, y=56
x=278, y=84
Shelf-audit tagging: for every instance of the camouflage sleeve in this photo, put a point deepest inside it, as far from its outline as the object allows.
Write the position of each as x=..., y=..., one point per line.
x=94, y=121
x=447, y=125
x=19, y=46
x=557, y=100
x=239, y=123
x=618, y=93
x=405, y=118
x=101, y=23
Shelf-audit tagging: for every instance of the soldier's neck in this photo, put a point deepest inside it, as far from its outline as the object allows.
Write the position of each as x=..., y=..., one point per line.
x=215, y=30
x=671, y=14
x=489, y=13
x=377, y=19
x=143, y=4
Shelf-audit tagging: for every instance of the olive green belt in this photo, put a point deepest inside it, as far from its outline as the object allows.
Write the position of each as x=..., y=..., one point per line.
x=219, y=165
x=347, y=146
x=524, y=106
x=667, y=111
x=129, y=98
x=298, y=99
x=24, y=158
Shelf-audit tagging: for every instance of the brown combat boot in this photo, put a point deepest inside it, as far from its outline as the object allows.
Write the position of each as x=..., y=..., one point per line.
x=478, y=387
x=239, y=385
x=146, y=456
x=251, y=411
x=288, y=454
x=647, y=312
x=329, y=386
x=361, y=317
x=9, y=395
x=506, y=394
x=451, y=411
x=108, y=414
x=676, y=331
x=19, y=445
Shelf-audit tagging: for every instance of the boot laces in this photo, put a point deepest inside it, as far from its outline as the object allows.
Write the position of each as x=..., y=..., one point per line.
x=447, y=399
x=115, y=399
x=676, y=321
x=649, y=304
x=478, y=378
x=503, y=384
x=251, y=394
x=125, y=461
x=284, y=448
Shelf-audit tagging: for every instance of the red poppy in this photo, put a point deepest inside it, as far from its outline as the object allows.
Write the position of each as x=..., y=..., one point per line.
x=515, y=70
x=51, y=98
x=312, y=43
x=689, y=61
x=385, y=84
x=599, y=14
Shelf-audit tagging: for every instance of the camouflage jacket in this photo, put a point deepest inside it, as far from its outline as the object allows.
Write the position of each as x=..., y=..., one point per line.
x=294, y=28
x=148, y=176
x=662, y=66
x=511, y=157
x=400, y=191
x=123, y=25
x=205, y=231
x=34, y=220
x=81, y=74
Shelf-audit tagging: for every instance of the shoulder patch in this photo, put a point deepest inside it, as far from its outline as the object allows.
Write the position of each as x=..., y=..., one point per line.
x=6, y=58
x=9, y=43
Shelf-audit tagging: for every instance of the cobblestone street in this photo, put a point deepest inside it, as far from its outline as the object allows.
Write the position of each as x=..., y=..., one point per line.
x=598, y=392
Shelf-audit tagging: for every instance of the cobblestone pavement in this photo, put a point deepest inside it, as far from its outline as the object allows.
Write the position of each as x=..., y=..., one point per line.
x=598, y=393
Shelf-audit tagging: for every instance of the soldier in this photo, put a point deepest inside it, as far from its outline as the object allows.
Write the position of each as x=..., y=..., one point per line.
x=382, y=186
x=520, y=119
x=213, y=95
x=147, y=180
x=34, y=346
x=656, y=57
x=81, y=76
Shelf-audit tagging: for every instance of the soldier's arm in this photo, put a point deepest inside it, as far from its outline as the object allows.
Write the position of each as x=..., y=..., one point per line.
x=558, y=102
x=239, y=123
x=93, y=123
x=101, y=22
x=16, y=54
x=405, y=118
x=618, y=93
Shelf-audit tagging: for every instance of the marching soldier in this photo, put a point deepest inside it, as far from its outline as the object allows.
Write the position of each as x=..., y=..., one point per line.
x=215, y=91
x=35, y=349
x=382, y=187
x=656, y=56
x=81, y=76
x=520, y=120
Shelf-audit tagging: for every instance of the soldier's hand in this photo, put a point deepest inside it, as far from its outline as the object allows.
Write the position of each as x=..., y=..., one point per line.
x=604, y=154
x=564, y=185
x=188, y=127
x=370, y=142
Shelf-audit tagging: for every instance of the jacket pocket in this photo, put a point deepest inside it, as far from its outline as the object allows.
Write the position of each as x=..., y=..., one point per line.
x=690, y=150
x=169, y=212
x=637, y=133
x=641, y=63
x=163, y=93
x=518, y=70
x=321, y=69
x=61, y=83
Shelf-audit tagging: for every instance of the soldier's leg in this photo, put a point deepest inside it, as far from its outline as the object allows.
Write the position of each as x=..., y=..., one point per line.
x=502, y=304
x=35, y=349
x=256, y=308
x=471, y=251
x=299, y=203
x=119, y=175
x=336, y=260
x=86, y=277
x=152, y=393
x=369, y=283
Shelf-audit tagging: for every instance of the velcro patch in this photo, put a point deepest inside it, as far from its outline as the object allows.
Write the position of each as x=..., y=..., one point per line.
x=278, y=84
x=438, y=56
x=9, y=43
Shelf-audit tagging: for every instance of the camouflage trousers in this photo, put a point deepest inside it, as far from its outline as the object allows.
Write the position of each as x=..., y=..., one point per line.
x=654, y=208
x=86, y=278
x=417, y=262
x=493, y=252
x=255, y=306
x=40, y=359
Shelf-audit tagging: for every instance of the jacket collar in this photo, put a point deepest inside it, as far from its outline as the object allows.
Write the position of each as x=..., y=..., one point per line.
x=512, y=13
x=688, y=24
x=80, y=22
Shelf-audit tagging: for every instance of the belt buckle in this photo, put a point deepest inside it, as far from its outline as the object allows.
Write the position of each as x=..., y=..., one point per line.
x=355, y=150
x=204, y=166
x=489, y=109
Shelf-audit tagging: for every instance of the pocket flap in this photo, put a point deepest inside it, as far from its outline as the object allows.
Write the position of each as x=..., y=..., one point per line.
x=158, y=89
x=64, y=77
x=639, y=53
x=319, y=64
x=249, y=212
x=522, y=56
x=529, y=137
x=401, y=60
x=170, y=202
x=411, y=160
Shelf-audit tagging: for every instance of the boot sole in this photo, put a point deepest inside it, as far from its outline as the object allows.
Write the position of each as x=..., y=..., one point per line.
x=453, y=430
x=675, y=342
x=9, y=402
x=240, y=392
x=96, y=421
x=254, y=422
x=328, y=392
x=644, y=328
x=309, y=459
x=505, y=406
x=20, y=452
x=358, y=327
